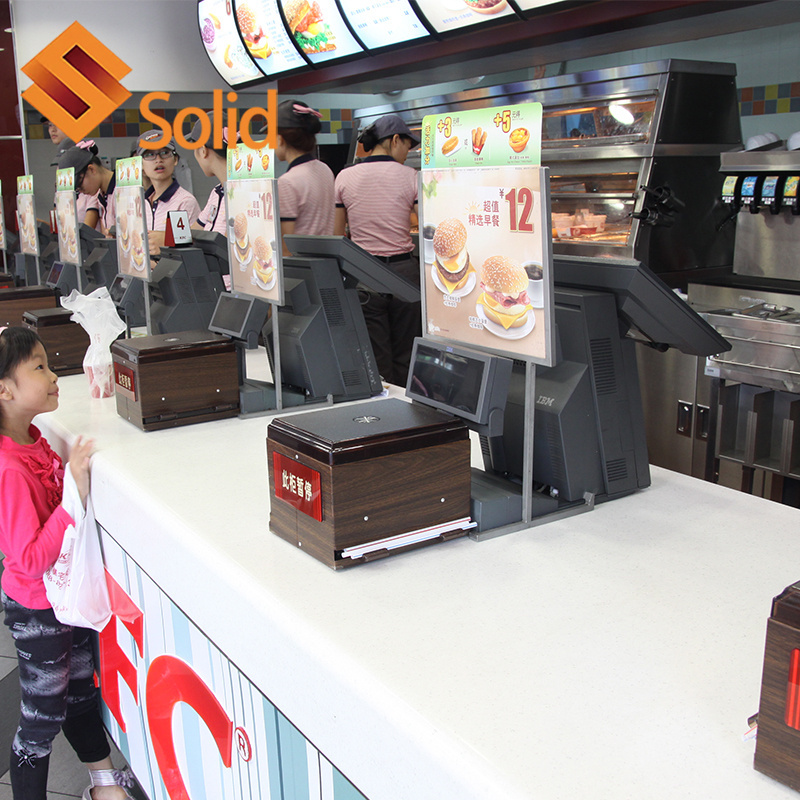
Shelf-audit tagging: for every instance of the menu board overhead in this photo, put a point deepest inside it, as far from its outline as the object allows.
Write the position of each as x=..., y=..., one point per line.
x=265, y=37
x=223, y=45
x=453, y=15
x=319, y=29
x=382, y=23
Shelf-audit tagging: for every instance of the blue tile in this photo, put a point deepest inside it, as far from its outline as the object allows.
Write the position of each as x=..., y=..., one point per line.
x=758, y=92
x=746, y=109
x=784, y=90
x=794, y=104
x=770, y=106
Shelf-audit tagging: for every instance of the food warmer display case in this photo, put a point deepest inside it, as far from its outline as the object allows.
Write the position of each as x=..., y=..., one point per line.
x=634, y=157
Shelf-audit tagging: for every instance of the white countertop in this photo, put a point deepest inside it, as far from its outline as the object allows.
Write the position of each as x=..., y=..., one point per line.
x=613, y=654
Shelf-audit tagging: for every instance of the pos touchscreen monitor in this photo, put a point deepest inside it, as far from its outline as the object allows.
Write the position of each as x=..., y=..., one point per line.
x=467, y=383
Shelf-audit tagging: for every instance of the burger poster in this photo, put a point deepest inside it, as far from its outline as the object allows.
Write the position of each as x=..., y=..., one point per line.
x=265, y=37
x=451, y=15
x=67, y=215
x=133, y=250
x=254, y=242
x=486, y=247
x=26, y=214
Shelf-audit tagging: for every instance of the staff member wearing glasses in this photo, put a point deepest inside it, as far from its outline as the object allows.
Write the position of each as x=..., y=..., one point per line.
x=376, y=197
x=165, y=193
x=93, y=179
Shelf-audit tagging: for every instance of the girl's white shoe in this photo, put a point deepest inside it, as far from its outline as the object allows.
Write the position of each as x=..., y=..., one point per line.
x=108, y=777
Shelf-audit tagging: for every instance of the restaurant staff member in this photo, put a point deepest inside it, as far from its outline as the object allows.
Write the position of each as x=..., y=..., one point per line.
x=92, y=179
x=376, y=198
x=214, y=164
x=165, y=193
x=305, y=190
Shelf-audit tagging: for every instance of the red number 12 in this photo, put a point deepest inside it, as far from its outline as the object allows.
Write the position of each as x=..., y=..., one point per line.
x=525, y=199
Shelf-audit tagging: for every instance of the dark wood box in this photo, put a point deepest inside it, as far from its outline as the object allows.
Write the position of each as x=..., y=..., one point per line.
x=66, y=341
x=6, y=280
x=15, y=302
x=778, y=741
x=376, y=470
x=175, y=379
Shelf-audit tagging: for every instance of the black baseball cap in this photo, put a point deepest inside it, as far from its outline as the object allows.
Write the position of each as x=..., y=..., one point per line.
x=390, y=125
x=152, y=136
x=197, y=132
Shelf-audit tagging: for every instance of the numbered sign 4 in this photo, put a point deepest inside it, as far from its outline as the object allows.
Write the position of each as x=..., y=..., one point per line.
x=178, y=231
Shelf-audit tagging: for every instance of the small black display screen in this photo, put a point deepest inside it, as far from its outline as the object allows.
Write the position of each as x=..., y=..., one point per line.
x=55, y=272
x=451, y=379
x=117, y=290
x=230, y=315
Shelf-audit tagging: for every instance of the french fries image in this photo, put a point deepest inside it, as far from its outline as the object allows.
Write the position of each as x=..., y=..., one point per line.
x=478, y=140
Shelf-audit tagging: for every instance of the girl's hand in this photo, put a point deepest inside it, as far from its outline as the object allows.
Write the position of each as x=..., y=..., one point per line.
x=79, y=457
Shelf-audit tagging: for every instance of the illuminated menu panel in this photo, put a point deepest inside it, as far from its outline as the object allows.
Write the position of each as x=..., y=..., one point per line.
x=452, y=15
x=266, y=38
x=223, y=45
x=319, y=30
x=534, y=5
x=381, y=23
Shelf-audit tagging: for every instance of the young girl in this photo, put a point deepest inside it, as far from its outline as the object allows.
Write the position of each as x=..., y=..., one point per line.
x=55, y=660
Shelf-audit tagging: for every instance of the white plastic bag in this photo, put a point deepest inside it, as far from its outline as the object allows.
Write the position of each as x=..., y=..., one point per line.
x=98, y=316
x=76, y=584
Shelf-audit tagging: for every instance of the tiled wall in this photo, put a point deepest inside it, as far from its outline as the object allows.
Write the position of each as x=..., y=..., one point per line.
x=776, y=98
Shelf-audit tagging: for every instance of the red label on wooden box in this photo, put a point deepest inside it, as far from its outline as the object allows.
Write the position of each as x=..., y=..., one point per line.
x=125, y=381
x=298, y=485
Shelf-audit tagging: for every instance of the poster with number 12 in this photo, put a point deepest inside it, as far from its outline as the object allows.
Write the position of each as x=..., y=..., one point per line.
x=486, y=245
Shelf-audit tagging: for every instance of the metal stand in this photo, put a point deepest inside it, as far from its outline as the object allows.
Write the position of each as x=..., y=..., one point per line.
x=528, y=520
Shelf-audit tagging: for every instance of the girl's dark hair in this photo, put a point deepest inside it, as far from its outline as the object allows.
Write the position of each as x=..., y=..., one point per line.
x=16, y=347
x=369, y=138
x=299, y=139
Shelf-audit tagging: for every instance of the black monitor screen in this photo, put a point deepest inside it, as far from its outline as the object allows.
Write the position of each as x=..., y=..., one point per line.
x=643, y=300
x=355, y=262
x=55, y=273
x=470, y=384
x=453, y=380
x=230, y=315
x=117, y=289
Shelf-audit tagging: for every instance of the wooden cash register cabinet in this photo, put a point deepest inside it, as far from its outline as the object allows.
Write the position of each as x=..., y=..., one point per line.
x=373, y=470
x=65, y=341
x=174, y=379
x=14, y=302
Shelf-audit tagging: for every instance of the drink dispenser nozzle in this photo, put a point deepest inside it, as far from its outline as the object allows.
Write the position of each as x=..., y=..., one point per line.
x=661, y=206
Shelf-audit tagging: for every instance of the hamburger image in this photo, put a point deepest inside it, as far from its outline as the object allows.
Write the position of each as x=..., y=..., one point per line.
x=254, y=38
x=265, y=263
x=450, y=254
x=137, y=251
x=242, y=240
x=505, y=292
x=124, y=232
x=486, y=6
x=306, y=24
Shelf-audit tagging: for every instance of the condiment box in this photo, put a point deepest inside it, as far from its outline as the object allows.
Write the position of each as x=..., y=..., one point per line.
x=778, y=739
x=175, y=379
x=66, y=341
x=15, y=302
x=358, y=473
